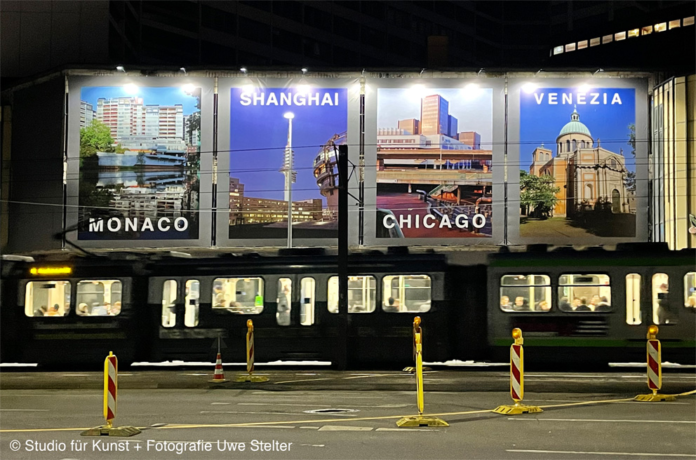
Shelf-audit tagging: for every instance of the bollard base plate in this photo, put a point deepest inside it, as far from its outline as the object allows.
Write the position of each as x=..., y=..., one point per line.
x=120, y=431
x=252, y=378
x=655, y=398
x=420, y=420
x=517, y=409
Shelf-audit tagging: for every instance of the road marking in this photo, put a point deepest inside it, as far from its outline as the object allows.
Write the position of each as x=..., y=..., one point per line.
x=600, y=420
x=309, y=427
x=345, y=428
x=313, y=445
x=402, y=430
x=637, y=454
x=306, y=380
x=220, y=404
x=23, y=410
x=392, y=406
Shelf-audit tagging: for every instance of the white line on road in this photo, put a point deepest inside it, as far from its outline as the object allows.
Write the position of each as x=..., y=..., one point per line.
x=391, y=406
x=345, y=428
x=599, y=420
x=220, y=404
x=23, y=410
x=309, y=427
x=402, y=430
x=306, y=380
x=637, y=454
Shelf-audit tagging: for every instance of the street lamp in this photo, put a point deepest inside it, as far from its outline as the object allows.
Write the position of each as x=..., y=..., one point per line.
x=290, y=175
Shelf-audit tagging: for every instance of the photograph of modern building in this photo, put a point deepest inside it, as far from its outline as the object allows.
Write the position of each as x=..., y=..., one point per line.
x=139, y=156
x=431, y=177
x=283, y=145
x=587, y=187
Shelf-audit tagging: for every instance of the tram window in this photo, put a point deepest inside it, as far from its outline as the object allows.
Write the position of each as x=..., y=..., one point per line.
x=192, y=299
x=633, y=315
x=406, y=293
x=99, y=297
x=307, y=295
x=584, y=293
x=284, y=302
x=663, y=313
x=361, y=294
x=47, y=298
x=241, y=296
x=690, y=291
x=169, y=303
x=525, y=293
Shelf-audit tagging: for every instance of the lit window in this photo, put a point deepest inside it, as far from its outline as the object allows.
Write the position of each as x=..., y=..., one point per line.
x=361, y=294
x=47, y=298
x=169, y=303
x=98, y=298
x=284, y=302
x=633, y=315
x=525, y=293
x=620, y=36
x=570, y=47
x=307, y=296
x=633, y=33
x=406, y=294
x=661, y=27
x=193, y=296
x=688, y=21
x=690, y=290
x=558, y=50
x=582, y=45
x=584, y=293
x=674, y=24
x=241, y=296
x=662, y=307
x=607, y=39
x=595, y=41
x=647, y=30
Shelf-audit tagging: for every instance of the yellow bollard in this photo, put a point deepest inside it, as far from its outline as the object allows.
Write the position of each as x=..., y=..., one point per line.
x=517, y=379
x=250, y=377
x=419, y=420
x=654, y=357
x=110, y=395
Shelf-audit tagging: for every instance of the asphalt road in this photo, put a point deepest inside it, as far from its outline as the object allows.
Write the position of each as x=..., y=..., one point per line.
x=258, y=419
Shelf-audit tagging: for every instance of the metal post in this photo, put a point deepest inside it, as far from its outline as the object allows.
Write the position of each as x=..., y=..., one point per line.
x=342, y=336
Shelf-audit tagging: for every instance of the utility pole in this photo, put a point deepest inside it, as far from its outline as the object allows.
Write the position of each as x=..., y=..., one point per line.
x=342, y=336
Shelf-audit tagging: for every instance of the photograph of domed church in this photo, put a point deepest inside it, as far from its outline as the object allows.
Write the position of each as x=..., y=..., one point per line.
x=586, y=188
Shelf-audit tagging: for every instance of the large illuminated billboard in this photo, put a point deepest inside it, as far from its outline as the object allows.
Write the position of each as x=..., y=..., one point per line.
x=434, y=162
x=283, y=152
x=139, y=162
x=577, y=172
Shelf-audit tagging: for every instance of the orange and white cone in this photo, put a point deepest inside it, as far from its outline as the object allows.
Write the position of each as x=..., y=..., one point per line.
x=219, y=375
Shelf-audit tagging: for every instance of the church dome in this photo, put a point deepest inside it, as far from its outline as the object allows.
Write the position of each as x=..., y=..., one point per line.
x=575, y=126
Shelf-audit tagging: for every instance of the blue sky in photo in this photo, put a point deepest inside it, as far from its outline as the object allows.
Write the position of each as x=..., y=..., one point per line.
x=258, y=136
x=161, y=95
x=472, y=109
x=608, y=123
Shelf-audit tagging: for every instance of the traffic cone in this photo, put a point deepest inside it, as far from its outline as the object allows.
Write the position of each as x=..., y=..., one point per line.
x=219, y=376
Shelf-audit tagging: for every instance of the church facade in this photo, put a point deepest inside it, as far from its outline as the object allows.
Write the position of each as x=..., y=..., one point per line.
x=589, y=176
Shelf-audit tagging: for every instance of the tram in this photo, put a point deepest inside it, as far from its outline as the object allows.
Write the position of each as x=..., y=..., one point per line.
x=590, y=306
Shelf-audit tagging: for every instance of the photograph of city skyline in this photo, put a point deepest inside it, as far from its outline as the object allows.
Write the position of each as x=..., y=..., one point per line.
x=577, y=163
x=434, y=162
x=283, y=144
x=139, y=162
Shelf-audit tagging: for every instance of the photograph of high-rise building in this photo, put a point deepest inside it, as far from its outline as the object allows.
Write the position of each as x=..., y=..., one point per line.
x=283, y=145
x=140, y=156
x=426, y=167
x=581, y=181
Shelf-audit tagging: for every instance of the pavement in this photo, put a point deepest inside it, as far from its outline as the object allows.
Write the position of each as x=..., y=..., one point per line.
x=214, y=424
x=617, y=382
x=325, y=414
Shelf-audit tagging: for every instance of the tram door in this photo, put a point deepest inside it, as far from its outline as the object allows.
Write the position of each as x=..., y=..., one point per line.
x=176, y=306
